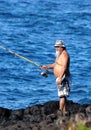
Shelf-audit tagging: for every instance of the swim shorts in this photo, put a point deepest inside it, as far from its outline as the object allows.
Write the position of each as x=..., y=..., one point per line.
x=64, y=88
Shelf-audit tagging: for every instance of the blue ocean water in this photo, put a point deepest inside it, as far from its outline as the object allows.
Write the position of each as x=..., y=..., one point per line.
x=30, y=28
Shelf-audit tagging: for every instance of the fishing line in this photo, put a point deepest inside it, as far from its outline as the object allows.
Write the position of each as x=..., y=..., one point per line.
x=45, y=74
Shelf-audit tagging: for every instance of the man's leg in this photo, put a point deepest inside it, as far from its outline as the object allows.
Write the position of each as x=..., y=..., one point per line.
x=62, y=104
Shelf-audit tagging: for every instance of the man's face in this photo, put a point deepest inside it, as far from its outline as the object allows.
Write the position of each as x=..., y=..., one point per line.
x=59, y=48
x=58, y=51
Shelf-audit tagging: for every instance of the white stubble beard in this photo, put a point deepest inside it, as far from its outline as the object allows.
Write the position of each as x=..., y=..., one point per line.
x=57, y=54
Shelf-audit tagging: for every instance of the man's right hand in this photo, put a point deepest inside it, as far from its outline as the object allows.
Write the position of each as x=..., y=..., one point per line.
x=44, y=67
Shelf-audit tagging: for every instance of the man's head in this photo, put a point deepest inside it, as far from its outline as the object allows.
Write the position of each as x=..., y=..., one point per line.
x=59, y=46
x=59, y=43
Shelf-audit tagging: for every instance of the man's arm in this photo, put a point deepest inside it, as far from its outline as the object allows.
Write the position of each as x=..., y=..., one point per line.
x=51, y=66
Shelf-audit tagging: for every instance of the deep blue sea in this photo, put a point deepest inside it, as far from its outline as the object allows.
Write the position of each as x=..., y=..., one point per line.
x=30, y=28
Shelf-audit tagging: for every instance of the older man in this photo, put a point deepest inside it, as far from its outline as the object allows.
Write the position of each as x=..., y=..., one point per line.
x=62, y=73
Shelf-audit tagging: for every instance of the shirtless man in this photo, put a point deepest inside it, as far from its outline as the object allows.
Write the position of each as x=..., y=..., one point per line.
x=62, y=73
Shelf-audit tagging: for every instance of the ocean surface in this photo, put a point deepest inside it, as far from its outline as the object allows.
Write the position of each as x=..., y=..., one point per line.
x=30, y=28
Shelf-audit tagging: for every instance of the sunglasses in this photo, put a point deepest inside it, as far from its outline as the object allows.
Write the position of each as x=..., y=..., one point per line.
x=57, y=46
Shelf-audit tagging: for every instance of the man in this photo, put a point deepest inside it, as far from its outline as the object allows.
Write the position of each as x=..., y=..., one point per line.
x=62, y=73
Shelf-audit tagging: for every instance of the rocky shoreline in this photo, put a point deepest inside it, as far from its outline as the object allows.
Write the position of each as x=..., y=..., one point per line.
x=45, y=117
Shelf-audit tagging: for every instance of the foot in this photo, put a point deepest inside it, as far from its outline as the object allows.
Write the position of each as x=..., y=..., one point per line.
x=66, y=113
x=59, y=113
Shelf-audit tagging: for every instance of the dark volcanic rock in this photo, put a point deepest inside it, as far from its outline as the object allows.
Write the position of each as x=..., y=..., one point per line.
x=50, y=107
x=43, y=117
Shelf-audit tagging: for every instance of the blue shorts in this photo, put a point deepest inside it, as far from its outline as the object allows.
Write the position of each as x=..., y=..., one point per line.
x=64, y=88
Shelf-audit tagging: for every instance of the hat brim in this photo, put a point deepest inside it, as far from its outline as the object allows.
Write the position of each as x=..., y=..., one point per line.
x=59, y=46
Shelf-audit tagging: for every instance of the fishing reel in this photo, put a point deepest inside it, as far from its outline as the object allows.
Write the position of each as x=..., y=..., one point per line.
x=44, y=73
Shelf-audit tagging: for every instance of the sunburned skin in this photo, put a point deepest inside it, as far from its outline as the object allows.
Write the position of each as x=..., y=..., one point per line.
x=60, y=65
x=61, y=72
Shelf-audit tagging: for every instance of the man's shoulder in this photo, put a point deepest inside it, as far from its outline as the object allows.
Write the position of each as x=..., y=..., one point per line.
x=65, y=53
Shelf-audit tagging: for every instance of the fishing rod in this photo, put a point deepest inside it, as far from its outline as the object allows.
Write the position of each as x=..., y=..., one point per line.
x=22, y=57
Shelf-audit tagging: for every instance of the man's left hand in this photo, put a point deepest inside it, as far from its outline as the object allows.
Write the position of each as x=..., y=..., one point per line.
x=58, y=80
